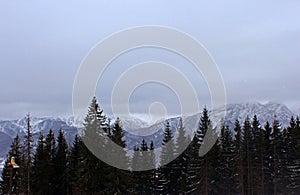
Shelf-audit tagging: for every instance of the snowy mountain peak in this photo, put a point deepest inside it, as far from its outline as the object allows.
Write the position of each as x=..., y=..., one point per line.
x=264, y=112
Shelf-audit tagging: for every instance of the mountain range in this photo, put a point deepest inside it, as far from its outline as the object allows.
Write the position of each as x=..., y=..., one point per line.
x=265, y=112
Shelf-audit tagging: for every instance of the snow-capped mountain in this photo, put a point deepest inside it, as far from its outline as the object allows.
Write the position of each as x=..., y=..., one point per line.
x=136, y=127
x=264, y=112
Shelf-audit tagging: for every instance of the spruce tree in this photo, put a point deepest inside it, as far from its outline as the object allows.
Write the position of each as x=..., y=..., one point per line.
x=276, y=143
x=92, y=170
x=73, y=167
x=200, y=168
x=118, y=133
x=166, y=156
x=268, y=161
x=194, y=166
x=120, y=179
x=180, y=164
x=291, y=159
x=226, y=162
x=258, y=157
x=50, y=146
x=11, y=180
x=213, y=162
x=28, y=154
x=296, y=136
x=205, y=171
x=60, y=165
x=151, y=174
x=239, y=158
x=40, y=177
x=249, y=155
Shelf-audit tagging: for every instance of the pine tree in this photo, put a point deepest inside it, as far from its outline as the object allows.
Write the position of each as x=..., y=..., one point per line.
x=120, y=178
x=28, y=150
x=180, y=164
x=118, y=134
x=151, y=174
x=258, y=157
x=212, y=162
x=60, y=165
x=248, y=150
x=11, y=180
x=239, y=158
x=73, y=167
x=40, y=177
x=168, y=147
x=291, y=159
x=50, y=146
x=202, y=175
x=296, y=136
x=268, y=161
x=194, y=166
x=205, y=172
x=226, y=161
x=276, y=156
x=93, y=171
x=166, y=156
x=198, y=166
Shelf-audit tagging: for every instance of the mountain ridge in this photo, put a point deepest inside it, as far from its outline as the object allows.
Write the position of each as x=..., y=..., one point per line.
x=265, y=112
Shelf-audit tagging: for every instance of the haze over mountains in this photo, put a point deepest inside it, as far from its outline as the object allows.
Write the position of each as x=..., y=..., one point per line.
x=265, y=112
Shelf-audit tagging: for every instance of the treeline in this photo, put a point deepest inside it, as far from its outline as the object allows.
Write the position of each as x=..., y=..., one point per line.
x=251, y=158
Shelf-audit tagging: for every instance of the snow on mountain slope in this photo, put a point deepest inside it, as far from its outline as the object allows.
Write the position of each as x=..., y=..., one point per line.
x=132, y=122
x=265, y=112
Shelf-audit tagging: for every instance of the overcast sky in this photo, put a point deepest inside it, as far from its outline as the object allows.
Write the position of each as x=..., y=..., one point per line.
x=256, y=45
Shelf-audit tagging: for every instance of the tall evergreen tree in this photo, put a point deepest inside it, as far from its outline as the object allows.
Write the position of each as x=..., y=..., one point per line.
x=92, y=171
x=276, y=156
x=201, y=169
x=291, y=158
x=151, y=174
x=239, y=158
x=226, y=161
x=194, y=166
x=60, y=165
x=249, y=156
x=11, y=180
x=166, y=156
x=205, y=172
x=258, y=152
x=180, y=164
x=73, y=167
x=268, y=161
x=28, y=152
x=40, y=177
x=50, y=146
x=119, y=178
x=118, y=134
x=296, y=136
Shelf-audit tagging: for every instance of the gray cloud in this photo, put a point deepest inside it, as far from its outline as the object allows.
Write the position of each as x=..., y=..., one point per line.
x=255, y=44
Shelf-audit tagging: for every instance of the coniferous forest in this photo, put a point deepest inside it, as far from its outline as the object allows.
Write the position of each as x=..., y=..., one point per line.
x=251, y=158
